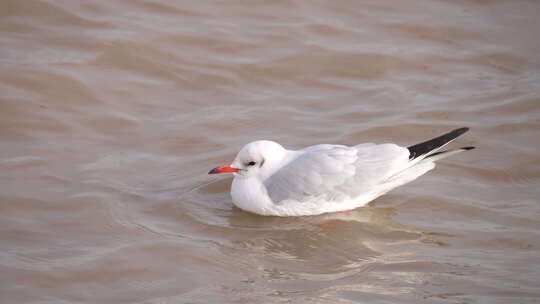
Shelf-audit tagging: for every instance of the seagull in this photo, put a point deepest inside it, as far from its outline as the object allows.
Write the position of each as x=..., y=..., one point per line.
x=271, y=180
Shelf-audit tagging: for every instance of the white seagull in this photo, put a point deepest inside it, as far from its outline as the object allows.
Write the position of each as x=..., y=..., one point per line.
x=271, y=180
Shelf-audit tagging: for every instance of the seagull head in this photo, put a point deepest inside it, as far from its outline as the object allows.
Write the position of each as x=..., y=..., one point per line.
x=258, y=158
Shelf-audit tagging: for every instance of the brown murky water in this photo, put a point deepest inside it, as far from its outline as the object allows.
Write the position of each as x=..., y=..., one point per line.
x=112, y=113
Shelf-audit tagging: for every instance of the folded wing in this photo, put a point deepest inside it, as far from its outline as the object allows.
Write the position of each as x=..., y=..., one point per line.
x=336, y=172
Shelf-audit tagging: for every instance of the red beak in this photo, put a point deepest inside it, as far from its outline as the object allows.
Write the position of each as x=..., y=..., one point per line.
x=223, y=169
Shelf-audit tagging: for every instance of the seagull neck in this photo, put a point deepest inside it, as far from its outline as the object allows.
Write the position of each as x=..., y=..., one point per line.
x=279, y=161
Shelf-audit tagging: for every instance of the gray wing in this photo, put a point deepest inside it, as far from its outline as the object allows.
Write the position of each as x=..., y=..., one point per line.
x=335, y=172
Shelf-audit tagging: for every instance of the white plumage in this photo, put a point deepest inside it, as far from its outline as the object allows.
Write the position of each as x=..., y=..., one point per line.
x=271, y=180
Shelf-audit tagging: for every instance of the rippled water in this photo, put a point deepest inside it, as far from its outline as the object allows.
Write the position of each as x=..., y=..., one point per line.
x=112, y=113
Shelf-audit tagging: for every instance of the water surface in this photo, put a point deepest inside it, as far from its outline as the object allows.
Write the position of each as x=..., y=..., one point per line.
x=112, y=113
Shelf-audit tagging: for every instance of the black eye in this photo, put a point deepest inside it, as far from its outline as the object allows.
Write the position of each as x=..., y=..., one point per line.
x=251, y=163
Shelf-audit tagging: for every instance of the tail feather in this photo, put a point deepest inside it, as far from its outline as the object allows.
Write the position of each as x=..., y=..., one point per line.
x=422, y=156
x=432, y=145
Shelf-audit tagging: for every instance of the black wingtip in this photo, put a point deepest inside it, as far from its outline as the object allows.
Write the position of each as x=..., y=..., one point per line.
x=435, y=143
x=468, y=148
x=458, y=132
